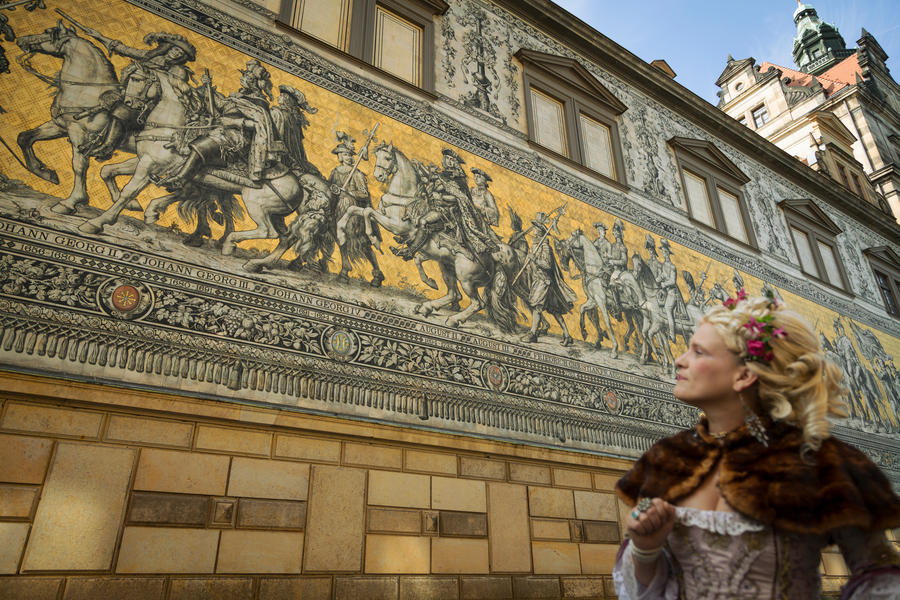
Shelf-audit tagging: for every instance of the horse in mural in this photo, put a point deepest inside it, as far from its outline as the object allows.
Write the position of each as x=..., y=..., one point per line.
x=76, y=113
x=655, y=331
x=398, y=210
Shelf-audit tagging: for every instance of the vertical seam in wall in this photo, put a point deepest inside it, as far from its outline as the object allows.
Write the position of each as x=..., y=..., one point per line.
x=129, y=492
x=50, y=461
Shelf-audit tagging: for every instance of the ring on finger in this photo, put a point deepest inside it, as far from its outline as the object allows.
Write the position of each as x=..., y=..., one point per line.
x=643, y=506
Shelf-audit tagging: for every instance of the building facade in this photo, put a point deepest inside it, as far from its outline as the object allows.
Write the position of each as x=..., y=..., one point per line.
x=376, y=299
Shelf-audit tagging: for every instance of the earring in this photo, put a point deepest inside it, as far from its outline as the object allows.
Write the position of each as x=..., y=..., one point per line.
x=754, y=423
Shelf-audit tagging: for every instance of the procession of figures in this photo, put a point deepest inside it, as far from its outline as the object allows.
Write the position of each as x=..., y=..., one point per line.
x=206, y=147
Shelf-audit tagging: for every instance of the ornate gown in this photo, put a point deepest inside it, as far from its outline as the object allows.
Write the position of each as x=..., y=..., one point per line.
x=787, y=510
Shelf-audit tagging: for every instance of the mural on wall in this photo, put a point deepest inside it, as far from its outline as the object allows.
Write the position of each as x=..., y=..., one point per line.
x=235, y=231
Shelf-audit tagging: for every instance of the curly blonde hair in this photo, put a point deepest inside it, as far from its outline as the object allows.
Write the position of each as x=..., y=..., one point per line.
x=799, y=384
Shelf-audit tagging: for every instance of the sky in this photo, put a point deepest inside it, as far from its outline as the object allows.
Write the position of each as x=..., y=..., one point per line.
x=696, y=36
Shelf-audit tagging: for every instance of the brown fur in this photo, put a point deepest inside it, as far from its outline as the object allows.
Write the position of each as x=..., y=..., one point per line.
x=836, y=487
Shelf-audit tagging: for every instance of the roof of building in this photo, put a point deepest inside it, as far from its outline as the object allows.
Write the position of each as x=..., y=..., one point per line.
x=837, y=77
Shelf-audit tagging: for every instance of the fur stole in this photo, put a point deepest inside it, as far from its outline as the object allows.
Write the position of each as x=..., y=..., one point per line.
x=835, y=487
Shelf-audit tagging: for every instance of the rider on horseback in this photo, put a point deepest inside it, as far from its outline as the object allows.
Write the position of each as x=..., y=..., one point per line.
x=128, y=110
x=451, y=206
x=244, y=132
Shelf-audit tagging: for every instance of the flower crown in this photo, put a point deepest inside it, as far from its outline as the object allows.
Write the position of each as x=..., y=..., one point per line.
x=762, y=330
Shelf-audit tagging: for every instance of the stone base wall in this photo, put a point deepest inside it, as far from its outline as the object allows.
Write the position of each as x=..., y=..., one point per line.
x=114, y=493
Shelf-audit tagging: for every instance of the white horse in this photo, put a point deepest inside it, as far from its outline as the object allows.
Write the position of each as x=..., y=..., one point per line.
x=85, y=76
x=399, y=210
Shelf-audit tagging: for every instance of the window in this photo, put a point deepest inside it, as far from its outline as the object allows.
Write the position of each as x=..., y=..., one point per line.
x=814, y=235
x=760, y=116
x=743, y=121
x=856, y=187
x=712, y=188
x=885, y=265
x=396, y=36
x=843, y=172
x=571, y=114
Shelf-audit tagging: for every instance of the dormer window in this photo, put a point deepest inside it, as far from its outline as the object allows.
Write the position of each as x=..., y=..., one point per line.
x=395, y=36
x=885, y=264
x=713, y=188
x=571, y=114
x=815, y=241
x=760, y=116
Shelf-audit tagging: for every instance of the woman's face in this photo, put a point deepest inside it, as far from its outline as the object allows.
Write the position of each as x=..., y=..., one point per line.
x=708, y=370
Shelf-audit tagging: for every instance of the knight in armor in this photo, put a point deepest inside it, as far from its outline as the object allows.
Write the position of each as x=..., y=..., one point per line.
x=245, y=132
x=451, y=206
x=603, y=247
x=667, y=278
x=548, y=289
x=618, y=253
x=349, y=188
x=290, y=121
x=483, y=198
x=128, y=110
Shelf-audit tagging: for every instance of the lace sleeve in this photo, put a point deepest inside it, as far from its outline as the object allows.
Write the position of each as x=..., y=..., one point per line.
x=873, y=562
x=662, y=587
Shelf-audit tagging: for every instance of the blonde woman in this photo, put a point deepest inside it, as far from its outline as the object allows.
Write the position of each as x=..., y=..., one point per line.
x=741, y=506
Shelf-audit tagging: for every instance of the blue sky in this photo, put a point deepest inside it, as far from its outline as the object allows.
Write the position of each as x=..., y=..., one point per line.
x=696, y=36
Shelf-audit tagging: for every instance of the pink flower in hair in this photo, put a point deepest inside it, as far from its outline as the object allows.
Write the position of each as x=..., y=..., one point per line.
x=754, y=326
x=730, y=303
x=779, y=332
x=756, y=348
x=741, y=295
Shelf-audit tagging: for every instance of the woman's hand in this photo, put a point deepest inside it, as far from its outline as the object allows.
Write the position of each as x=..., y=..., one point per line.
x=650, y=529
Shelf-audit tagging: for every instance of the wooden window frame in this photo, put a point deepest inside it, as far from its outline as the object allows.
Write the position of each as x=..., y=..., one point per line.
x=808, y=218
x=362, y=32
x=886, y=262
x=756, y=122
x=705, y=161
x=566, y=81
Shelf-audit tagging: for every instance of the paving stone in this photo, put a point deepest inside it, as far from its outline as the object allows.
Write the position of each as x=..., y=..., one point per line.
x=572, y=478
x=115, y=588
x=373, y=456
x=431, y=462
x=582, y=587
x=551, y=502
x=47, y=419
x=12, y=542
x=336, y=526
x=482, y=468
x=370, y=588
x=182, y=472
x=30, y=588
x=397, y=554
x=81, y=506
x=265, y=478
x=228, y=439
x=598, y=558
x=271, y=514
x=429, y=588
x=595, y=506
x=123, y=428
x=558, y=558
x=168, y=550
x=459, y=555
x=260, y=552
x=168, y=509
x=17, y=501
x=448, y=493
x=462, y=524
x=295, y=588
x=550, y=529
x=211, y=589
x=536, y=588
x=304, y=448
x=508, y=527
x=601, y=531
x=389, y=488
x=529, y=473
x=394, y=520
x=24, y=459
x=486, y=588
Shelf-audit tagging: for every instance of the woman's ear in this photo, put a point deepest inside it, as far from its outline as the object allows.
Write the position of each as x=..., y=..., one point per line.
x=744, y=379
